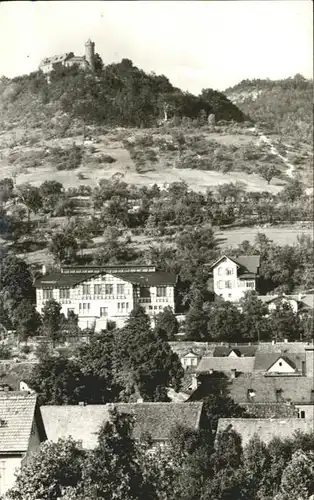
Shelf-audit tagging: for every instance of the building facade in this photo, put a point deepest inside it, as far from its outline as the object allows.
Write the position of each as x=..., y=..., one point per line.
x=86, y=62
x=99, y=294
x=233, y=277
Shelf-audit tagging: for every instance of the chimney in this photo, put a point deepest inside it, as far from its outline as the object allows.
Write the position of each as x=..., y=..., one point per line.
x=43, y=270
x=309, y=361
x=233, y=373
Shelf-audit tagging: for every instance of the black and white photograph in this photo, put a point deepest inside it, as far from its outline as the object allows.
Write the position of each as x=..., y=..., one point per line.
x=156, y=250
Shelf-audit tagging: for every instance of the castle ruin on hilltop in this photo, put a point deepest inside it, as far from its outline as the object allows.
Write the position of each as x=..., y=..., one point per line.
x=86, y=62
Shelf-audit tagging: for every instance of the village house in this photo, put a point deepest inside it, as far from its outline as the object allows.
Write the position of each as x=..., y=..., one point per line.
x=299, y=303
x=21, y=432
x=97, y=294
x=275, y=378
x=150, y=419
x=233, y=277
x=86, y=62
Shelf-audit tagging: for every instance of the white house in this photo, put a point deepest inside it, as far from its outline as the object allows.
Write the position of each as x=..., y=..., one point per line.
x=98, y=294
x=190, y=359
x=232, y=277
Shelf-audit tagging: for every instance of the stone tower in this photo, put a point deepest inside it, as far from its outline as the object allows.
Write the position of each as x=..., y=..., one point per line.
x=90, y=54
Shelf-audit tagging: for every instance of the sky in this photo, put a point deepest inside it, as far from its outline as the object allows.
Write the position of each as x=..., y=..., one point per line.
x=195, y=44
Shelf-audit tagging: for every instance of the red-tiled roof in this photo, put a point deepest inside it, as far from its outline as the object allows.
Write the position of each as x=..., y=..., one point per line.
x=225, y=364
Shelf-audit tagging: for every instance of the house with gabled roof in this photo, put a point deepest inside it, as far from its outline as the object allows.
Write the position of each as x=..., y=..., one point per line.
x=233, y=276
x=150, y=419
x=21, y=433
x=97, y=294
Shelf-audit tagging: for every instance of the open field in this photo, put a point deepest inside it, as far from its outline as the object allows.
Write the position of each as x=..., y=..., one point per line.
x=281, y=235
x=91, y=171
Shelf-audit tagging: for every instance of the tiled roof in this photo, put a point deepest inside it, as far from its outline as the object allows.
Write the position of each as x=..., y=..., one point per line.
x=54, y=280
x=265, y=428
x=84, y=422
x=247, y=263
x=282, y=347
x=250, y=262
x=248, y=350
x=152, y=279
x=296, y=389
x=263, y=361
x=17, y=412
x=138, y=278
x=55, y=59
x=225, y=365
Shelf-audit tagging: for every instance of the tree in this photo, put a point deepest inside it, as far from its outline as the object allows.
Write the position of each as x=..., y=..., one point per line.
x=56, y=467
x=268, y=172
x=293, y=190
x=284, y=323
x=298, y=477
x=146, y=363
x=166, y=325
x=225, y=322
x=257, y=465
x=254, y=321
x=31, y=197
x=98, y=62
x=63, y=246
x=58, y=381
x=16, y=282
x=52, y=320
x=196, y=319
x=26, y=320
x=113, y=470
x=97, y=364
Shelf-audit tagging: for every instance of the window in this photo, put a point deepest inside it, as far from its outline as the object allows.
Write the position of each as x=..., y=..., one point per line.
x=123, y=307
x=70, y=311
x=47, y=294
x=229, y=295
x=229, y=271
x=97, y=289
x=249, y=284
x=161, y=291
x=160, y=307
x=155, y=307
x=120, y=289
x=64, y=293
x=86, y=289
x=109, y=289
x=220, y=271
x=250, y=394
x=228, y=284
x=103, y=312
x=280, y=363
x=220, y=284
x=278, y=395
x=85, y=306
x=301, y=414
x=150, y=307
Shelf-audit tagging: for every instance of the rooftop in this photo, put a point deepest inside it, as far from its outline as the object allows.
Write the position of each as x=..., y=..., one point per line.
x=247, y=263
x=265, y=428
x=225, y=365
x=17, y=413
x=263, y=361
x=223, y=351
x=84, y=422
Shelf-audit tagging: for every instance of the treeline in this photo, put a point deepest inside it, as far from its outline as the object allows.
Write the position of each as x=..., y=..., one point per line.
x=282, y=106
x=194, y=466
x=120, y=95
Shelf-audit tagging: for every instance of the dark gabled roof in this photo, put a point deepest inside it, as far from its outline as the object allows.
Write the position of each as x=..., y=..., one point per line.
x=84, y=422
x=150, y=279
x=17, y=411
x=263, y=361
x=296, y=389
x=138, y=278
x=56, y=280
x=244, y=351
x=247, y=263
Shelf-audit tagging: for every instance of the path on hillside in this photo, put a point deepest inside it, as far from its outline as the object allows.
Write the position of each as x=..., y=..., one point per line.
x=275, y=152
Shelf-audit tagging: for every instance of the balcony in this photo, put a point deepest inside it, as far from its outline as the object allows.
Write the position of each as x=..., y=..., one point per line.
x=65, y=301
x=144, y=300
x=161, y=299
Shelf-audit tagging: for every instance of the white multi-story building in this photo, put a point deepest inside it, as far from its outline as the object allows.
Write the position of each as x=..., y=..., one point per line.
x=98, y=294
x=232, y=277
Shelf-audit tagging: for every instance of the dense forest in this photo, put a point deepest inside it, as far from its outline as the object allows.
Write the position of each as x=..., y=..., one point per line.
x=120, y=95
